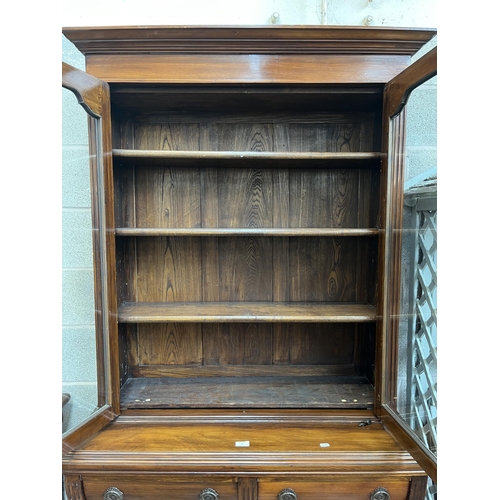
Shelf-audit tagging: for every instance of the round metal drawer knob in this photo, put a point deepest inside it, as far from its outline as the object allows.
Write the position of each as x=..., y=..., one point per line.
x=380, y=494
x=287, y=494
x=113, y=494
x=208, y=494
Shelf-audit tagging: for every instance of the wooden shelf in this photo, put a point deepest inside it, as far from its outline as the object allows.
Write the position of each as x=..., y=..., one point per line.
x=236, y=155
x=252, y=392
x=269, y=159
x=225, y=231
x=264, y=312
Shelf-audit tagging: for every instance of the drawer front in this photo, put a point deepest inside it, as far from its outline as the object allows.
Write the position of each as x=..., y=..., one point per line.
x=338, y=490
x=161, y=488
x=157, y=488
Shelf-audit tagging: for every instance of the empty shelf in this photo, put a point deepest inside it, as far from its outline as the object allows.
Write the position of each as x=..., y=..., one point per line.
x=220, y=312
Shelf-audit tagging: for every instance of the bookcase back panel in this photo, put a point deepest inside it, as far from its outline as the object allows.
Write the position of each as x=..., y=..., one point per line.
x=246, y=269
x=336, y=133
x=182, y=349
x=187, y=197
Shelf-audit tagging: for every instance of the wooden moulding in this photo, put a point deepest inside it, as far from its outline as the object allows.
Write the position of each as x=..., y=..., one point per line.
x=249, y=39
x=204, y=445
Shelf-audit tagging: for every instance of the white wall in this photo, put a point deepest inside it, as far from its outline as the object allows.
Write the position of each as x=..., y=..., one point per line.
x=408, y=13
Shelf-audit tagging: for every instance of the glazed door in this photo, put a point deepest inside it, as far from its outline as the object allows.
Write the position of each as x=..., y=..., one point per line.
x=408, y=399
x=88, y=300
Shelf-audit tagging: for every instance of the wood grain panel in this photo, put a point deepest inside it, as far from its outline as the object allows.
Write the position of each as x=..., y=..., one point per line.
x=254, y=137
x=324, y=198
x=322, y=344
x=167, y=197
x=367, y=197
x=281, y=293
x=167, y=136
x=245, y=269
x=170, y=344
x=169, y=269
x=281, y=255
x=281, y=198
x=245, y=198
x=210, y=246
x=339, y=134
x=211, y=338
x=238, y=344
x=323, y=269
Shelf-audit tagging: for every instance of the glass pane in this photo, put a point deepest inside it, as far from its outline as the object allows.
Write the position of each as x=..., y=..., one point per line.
x=417, y=333
x=80, y=372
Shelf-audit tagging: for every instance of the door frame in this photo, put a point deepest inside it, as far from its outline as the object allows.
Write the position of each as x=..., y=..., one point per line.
x=94, y=96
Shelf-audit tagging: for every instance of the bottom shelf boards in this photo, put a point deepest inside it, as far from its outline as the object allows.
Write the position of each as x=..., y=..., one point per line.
x=248, y=392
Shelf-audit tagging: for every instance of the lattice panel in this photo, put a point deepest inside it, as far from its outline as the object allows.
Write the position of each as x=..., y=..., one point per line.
x=423, y=377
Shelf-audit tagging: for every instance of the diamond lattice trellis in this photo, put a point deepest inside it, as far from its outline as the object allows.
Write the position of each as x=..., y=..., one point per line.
x=423, y=377
x=422, y=328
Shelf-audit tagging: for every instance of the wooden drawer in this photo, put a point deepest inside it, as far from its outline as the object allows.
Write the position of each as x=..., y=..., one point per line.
x=339, y=490
x=156, y=488
x=160, y=488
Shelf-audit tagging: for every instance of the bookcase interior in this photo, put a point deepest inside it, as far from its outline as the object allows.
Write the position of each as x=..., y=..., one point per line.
x=247, y=223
